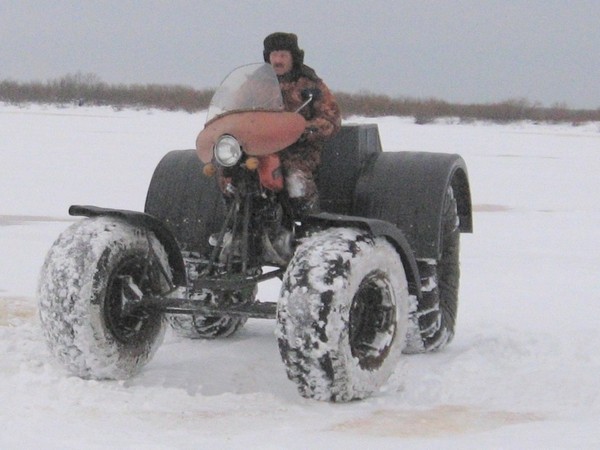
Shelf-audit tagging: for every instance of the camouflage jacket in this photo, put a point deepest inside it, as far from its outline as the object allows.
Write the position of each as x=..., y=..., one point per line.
x=322, y=116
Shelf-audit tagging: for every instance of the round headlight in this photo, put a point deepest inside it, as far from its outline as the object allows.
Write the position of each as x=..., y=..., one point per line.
x=228, y=150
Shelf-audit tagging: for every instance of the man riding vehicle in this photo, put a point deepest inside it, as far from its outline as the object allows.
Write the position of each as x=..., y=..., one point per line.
x=298, y=82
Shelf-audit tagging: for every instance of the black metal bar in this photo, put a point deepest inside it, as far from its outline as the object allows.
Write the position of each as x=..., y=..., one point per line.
x=234, y=283
x=219, y=244
x=245, y=233
x=234, y=231
x=257, y=310
x=153, y=256
x=269, y=275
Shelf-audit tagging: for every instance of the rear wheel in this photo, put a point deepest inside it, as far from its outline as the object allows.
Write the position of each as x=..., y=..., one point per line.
x=342, y=315
x=93, y=273
x=196, y=326
x=433, y=323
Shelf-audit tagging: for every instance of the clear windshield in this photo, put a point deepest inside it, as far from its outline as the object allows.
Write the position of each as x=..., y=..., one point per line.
x=253, y=87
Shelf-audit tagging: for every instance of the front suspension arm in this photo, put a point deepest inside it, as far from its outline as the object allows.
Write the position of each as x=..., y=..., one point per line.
x=256, y=310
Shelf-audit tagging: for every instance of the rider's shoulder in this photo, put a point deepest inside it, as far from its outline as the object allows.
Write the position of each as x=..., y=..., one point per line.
x=309, y=72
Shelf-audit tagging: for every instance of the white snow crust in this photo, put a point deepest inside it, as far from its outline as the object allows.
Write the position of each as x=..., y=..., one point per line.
x=522, y=371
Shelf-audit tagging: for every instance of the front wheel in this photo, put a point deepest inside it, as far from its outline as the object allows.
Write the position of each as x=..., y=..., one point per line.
x=91, y=271
x=343, y=315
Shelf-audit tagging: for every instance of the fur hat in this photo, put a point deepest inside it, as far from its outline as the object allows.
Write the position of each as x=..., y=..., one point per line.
x=284, y=41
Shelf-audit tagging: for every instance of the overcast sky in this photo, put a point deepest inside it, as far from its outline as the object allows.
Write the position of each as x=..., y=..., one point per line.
x=465, y=51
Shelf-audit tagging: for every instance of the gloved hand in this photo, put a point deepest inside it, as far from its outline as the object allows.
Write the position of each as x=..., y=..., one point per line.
x=308, y=134
x=314, y=93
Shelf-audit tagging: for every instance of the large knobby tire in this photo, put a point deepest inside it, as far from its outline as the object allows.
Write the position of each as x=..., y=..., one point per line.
x=196, y=326
x=432, y=324
x=81, y=293
x=342, y=316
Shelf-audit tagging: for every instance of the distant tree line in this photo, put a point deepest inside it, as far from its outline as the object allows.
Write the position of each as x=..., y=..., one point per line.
x=88, y=89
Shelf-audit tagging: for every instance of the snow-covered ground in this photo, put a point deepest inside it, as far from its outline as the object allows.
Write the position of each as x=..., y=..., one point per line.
x=522, y=372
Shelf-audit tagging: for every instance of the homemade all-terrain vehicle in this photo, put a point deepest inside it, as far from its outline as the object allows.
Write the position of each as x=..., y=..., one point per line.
x=373, y=277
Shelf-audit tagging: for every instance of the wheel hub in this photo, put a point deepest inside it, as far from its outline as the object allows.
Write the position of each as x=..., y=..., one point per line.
x=124, y=293
x=372, y=321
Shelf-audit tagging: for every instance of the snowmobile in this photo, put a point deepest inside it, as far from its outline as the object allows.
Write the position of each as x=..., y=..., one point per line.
x=371, y=278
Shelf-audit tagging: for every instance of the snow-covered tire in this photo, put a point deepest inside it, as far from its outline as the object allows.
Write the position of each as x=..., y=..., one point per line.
x=202, y=327
x=342, y=316
x=197, y=326
x=432, y=324
x=80, y=298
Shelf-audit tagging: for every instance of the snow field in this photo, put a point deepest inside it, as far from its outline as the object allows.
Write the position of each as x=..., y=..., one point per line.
x=520, y=373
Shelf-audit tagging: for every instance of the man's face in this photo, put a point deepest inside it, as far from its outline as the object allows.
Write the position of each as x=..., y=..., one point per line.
x=282, y=61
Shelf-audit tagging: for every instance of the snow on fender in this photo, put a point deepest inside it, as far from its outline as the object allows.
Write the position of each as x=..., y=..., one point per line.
x=342, y=315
